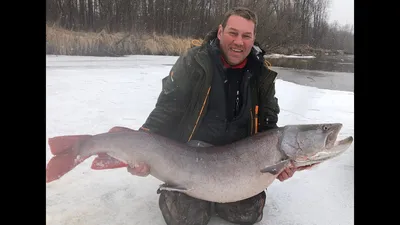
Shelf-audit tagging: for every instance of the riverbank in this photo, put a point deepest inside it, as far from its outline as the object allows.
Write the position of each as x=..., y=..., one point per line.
x=332, y=63
x=65, y=42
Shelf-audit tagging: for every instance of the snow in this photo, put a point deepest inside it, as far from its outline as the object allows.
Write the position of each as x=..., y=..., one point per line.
x=295, y=56
x=89, y=95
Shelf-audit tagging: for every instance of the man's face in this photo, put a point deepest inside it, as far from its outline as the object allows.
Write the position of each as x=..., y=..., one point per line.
x=236, y=39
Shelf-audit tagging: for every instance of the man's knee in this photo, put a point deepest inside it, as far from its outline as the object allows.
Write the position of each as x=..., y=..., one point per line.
x=181, y=209
x=248, y=211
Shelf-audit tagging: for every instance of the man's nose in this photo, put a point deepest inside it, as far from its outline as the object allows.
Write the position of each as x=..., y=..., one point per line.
x=238, y=40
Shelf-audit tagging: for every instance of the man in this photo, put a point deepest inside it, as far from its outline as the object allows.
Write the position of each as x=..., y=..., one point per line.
x=218, y=93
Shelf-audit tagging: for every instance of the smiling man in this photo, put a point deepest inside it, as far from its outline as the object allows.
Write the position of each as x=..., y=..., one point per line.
x=217, y=93
x=236, y=39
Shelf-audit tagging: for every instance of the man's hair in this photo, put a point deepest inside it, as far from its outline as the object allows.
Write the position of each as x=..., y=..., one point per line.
x=242, y=12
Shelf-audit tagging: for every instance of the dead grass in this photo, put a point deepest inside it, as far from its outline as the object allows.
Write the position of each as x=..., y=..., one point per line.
x=65, y=42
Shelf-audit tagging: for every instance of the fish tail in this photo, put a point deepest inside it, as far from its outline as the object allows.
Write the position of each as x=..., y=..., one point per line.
x=66, y=155
x=62, y=144
x=65, y=150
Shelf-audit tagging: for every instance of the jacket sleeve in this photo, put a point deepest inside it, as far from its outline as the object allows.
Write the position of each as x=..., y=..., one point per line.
x=269, y=107
x=172, y=101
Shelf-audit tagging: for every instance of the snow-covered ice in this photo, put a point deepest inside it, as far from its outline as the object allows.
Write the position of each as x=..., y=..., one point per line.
x=92, y=94
x=294, y=56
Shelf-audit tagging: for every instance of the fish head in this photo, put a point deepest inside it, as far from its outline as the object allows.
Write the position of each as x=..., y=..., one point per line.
x=308, y=144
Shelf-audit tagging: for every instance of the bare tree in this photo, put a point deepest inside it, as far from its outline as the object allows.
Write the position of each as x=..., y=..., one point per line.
x=281, y=22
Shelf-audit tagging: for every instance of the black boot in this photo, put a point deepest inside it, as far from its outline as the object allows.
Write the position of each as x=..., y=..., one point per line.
x=181, y=209
x=245, y=212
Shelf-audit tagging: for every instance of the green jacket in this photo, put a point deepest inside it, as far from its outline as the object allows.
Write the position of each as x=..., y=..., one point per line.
x=183, y=100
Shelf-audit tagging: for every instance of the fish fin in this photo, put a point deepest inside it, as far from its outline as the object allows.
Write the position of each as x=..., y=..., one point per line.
x=166, y=187
x=119, y=129
x=196, y=143
x=275, y=169
x=103, y=161
x=66, y=155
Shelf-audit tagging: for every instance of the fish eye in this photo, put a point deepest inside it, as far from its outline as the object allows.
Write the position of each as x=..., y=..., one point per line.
x=324, y=127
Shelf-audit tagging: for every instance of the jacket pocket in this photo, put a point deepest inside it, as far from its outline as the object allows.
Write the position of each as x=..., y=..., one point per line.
x=168, y=85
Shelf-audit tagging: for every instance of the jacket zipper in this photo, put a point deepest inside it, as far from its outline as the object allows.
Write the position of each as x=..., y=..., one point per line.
x=251, y=121
x=201, y=112
x=204, y=102
x=256, y=119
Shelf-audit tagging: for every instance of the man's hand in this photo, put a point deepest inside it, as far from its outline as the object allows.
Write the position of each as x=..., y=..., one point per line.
x=141, y=170
x=286, y=173
x=290, y=170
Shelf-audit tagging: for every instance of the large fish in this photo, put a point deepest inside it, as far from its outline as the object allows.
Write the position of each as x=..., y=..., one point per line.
x=226, y=173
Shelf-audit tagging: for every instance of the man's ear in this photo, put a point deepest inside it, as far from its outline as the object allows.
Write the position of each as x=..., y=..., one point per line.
x=219, y=33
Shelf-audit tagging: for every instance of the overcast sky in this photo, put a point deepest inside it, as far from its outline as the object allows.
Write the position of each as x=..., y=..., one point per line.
x=342, y=11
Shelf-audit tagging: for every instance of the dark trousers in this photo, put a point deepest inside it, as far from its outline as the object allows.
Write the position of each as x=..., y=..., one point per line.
x=181, y=209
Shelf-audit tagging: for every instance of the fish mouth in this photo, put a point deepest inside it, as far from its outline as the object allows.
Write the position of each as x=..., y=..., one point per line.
x=333, y=133
x=335, y=148
x=338, y=148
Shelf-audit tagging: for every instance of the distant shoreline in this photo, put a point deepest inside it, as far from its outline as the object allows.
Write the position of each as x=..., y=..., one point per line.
x=65, y=42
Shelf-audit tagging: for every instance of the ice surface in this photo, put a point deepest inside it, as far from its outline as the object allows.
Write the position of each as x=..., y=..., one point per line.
x=289, y=56
x=92, y=94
